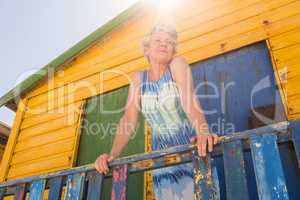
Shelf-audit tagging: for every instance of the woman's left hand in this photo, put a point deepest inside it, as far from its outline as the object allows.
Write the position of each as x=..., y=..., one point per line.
x=204, y=142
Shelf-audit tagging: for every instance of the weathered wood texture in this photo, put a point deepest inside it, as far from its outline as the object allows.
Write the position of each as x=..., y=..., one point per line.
x=265, y=156
x=211, y=29
x=42, y=143
x=268, y=168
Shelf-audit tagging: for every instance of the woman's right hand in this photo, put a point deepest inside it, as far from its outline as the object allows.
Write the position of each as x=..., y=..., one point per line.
x=101, y=163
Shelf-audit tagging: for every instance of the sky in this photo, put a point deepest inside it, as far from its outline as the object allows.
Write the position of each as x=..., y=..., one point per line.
x=34, y=32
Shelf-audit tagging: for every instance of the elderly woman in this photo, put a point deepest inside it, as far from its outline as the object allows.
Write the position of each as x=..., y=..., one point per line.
x=165, y=95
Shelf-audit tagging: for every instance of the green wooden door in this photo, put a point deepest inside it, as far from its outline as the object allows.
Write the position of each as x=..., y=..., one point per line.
x=98, y=131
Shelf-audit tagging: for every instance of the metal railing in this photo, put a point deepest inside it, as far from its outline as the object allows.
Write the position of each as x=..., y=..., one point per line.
x=85, y=183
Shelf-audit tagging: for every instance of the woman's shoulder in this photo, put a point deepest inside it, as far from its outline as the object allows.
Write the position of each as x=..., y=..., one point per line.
x=178, y=65
x=178, y=60
x=136, y=77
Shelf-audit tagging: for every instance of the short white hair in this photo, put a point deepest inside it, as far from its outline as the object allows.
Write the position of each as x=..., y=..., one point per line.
x=161, y=28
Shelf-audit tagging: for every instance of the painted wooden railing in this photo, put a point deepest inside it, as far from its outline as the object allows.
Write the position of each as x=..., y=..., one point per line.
x=85, y=183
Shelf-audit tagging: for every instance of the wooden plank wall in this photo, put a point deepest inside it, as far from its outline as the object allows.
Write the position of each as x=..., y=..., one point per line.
x=206, y=28
x=213, y=28
x=42, y=143
x=2, y=148
x=285, y=50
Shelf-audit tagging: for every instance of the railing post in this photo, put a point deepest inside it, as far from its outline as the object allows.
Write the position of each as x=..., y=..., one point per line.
x=295, y=131
x=203, y=183
x=74, y=186
x=235, y=175
x=95, y=185
x=20, y=192
x=267, y=167
x=55, y=188
x=2, y=191
x=37, y=189
x=215, y=178
x=120, y=181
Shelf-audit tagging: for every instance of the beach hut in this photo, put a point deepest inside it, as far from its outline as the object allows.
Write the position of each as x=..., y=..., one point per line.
x=245, y=58
x=4, y=133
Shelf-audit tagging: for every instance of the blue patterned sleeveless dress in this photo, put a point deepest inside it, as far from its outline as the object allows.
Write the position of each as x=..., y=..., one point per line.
x=160, y=105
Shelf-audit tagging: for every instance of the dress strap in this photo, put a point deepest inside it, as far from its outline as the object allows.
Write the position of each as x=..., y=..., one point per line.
x=143, y=78
x=169, y=72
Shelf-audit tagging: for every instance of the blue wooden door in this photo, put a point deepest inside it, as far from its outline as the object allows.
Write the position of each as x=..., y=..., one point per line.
x=230, y=87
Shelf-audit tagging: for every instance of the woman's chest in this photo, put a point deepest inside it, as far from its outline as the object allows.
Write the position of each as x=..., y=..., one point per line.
x=160, y=99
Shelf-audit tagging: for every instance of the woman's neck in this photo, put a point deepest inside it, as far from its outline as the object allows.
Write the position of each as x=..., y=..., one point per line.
x=156, y=71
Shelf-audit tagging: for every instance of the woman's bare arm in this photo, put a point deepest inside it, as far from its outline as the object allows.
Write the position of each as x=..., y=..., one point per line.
x=126, y=125
x=182, y=75
x=129, y=119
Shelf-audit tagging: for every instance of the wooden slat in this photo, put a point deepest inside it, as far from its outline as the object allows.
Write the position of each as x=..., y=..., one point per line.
x=55, y=185
x=293, y=71
x=37, y=189
x=289, y=75
x=285, y=54
x=229, y=31
x=235, y=175
x=120, y=181
x=268, y=168
x=95, y=185
x=114, y=83
x=289, y=64
x=43, y=151
x=41, y=119
x=203, y=183
x=209, y=32
x=78, y=134
x=59, y=161
x=33, y=115
x=292, y=87
x=295, y=132
x=242, y=39
x=12, y=140
x=294, y=108
x=46, y=138
x=20, y=192
x=53, y=125
x=243, y=8
x=252, y=16
x=242, y=26
x=286, y=39
x=75, y=184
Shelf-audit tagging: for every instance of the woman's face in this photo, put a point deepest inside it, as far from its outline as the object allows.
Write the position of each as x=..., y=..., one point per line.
x=161, y=47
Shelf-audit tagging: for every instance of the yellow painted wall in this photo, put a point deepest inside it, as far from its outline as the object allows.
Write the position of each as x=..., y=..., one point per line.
x=206, y=28
x=285, y=50
x=43, y=143
x=2, y=147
